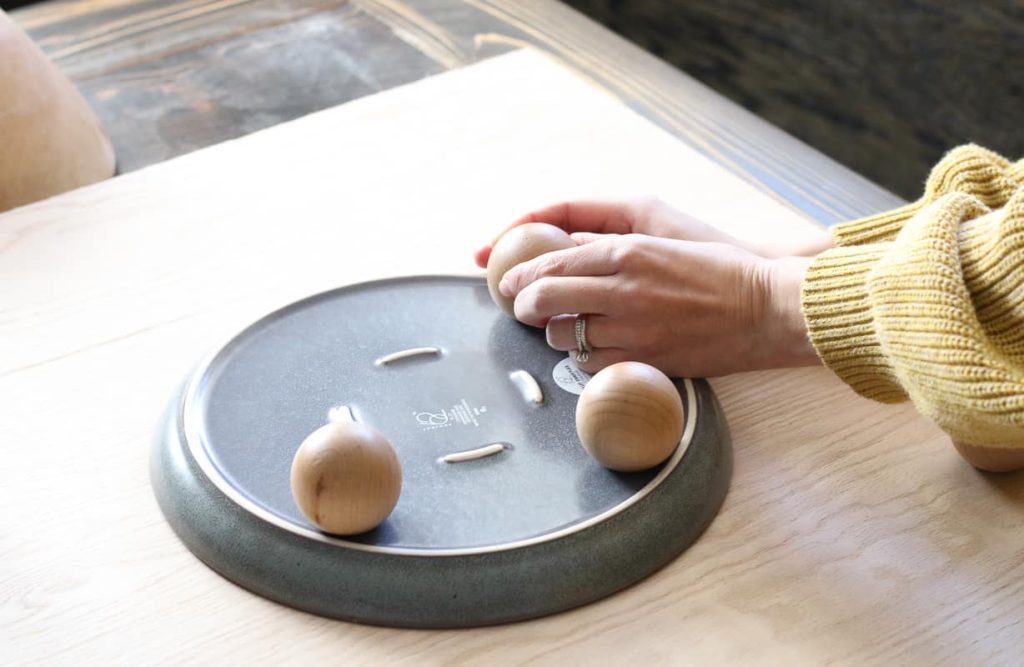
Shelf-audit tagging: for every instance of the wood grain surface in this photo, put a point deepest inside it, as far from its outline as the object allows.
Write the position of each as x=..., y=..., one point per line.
x=886, y=88
x=171, y=76
x=853, y=533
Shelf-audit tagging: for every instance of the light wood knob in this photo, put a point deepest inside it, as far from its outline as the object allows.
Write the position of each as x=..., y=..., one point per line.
x=517, y=245
x=51, y=140
x=346, y=478
x=630, y=417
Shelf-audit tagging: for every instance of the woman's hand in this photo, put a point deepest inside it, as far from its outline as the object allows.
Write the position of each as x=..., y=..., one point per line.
x=689, y=308
x=652, y=217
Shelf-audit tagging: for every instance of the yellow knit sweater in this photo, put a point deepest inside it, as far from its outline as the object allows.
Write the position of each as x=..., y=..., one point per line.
x=926, y=302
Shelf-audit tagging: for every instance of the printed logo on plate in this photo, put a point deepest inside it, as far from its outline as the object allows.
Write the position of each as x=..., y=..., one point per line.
x=569, y=377
x=462, y=413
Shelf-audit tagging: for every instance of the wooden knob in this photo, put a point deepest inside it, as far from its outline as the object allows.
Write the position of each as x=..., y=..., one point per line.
x=517, y=245
x=630, y=417
x=346, y=478
x=52, y=141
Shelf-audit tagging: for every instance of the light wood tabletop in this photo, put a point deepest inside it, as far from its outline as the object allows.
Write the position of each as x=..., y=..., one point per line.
x=853, y=533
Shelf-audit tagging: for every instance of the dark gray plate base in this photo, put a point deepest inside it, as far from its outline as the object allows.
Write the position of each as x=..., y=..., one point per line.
x=431, y=587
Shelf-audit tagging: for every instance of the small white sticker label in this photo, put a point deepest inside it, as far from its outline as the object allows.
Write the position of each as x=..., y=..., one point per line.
x=569, y=377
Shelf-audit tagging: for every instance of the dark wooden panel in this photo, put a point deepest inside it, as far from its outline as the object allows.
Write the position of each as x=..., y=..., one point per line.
x=170, y=77
x=174, y=77
x=884, y=87
x=734, y=137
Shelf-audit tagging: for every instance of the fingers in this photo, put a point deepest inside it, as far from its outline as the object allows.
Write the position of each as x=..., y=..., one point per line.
x=602, y=216
x=594, y=258
x=601, y=357
x=603, y=338
x=548, y=297
x=594, y=216
x=583, y=238
x=482, y=255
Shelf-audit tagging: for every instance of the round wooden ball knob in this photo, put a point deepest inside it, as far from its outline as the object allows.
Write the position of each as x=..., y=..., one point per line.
x=521, y=244
x=630, y=417
x=346, y=478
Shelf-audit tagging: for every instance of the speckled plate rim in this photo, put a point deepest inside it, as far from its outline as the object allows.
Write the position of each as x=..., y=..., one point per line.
x=196, y=446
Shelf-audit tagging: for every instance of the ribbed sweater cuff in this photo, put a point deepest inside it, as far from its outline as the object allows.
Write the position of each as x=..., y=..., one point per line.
x=840, y=323
x=968, y=169
x=875, y=228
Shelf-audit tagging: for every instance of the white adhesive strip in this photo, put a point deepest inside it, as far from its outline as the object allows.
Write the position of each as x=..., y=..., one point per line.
x=406, y=354
x=473, y=454
x=527, y=386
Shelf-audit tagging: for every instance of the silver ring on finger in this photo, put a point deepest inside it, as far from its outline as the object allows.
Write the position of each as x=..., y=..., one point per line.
x=582, y=347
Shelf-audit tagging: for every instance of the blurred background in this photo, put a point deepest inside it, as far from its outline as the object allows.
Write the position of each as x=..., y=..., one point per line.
x=883, y=87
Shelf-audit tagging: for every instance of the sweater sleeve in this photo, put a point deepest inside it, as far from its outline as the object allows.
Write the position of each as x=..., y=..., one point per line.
x=969, y=169
x=935, y=315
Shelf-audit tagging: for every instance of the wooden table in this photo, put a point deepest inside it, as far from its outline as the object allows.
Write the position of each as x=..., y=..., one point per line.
x=852, y=534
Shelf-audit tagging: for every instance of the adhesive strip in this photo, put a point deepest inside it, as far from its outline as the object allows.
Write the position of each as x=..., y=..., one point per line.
x=406, y=354
x=473, y=454
x=527, y=386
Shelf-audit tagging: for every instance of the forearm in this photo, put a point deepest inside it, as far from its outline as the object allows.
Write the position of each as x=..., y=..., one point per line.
x=933, y=315
x=786, y=343
x=814, y=242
